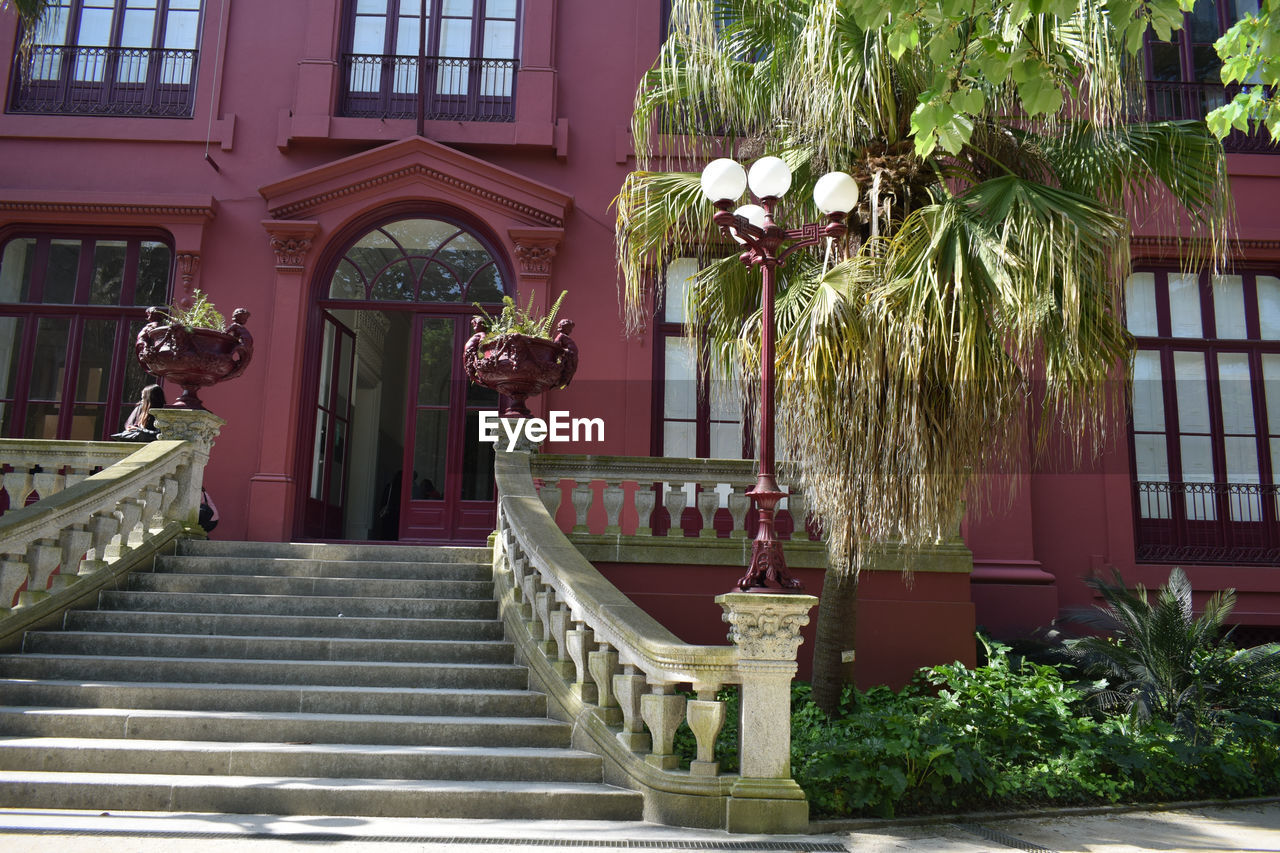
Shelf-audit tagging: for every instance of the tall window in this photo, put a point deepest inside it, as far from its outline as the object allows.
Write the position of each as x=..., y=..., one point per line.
x=69, y=313
x=439, y=59
x=1183, y=74
x=1206, y=416
x=701, y=416
x=112, y=57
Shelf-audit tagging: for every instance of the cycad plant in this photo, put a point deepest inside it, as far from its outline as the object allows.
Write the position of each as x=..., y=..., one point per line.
x=973, y=288
x=1161, y=660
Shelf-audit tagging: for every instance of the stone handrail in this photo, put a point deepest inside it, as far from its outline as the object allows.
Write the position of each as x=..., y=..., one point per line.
x=45, y=468
x=615, y=671
x=709, y=486
x=99, y=524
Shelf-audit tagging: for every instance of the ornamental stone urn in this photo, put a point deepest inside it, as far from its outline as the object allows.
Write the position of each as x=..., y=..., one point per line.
x=192, y=357
x=520, y=366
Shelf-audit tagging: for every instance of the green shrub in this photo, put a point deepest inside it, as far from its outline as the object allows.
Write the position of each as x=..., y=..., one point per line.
x=1011, y=733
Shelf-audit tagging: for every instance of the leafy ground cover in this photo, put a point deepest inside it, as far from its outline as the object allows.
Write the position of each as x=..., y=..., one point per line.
x=1014, y=733
x=1161, y=707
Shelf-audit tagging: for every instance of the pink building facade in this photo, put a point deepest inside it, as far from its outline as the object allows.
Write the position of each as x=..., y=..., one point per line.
x=358, y=173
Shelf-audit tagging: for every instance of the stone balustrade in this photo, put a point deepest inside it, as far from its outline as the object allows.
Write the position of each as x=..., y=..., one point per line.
x=625, y=680
x=87, y=527
x=31, y=469
x=645, y=497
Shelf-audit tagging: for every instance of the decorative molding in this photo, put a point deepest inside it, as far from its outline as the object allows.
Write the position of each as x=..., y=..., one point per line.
x=535, y=248
x=766, y=627
x=535, y=260
x=111, y=209
x=291, y=241
x=415, y=170
x=291, y=251
x=188, y=269
x=1165, y=246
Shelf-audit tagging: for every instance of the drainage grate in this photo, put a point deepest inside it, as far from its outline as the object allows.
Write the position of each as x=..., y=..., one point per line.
x=334, y=837
x=1002, y=838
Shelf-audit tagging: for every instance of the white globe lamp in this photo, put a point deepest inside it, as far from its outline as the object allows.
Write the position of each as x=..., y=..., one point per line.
x=723, y=180
x=835, y=192
x=769, y=177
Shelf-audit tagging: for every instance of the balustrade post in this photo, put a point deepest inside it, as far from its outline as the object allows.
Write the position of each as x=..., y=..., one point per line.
x=603, y=663
x=645, y=501
x=799, y=515
x=43, y=557
x=629, y=687
x=739, y=503
x=766, y=629
x=579, y=640
x=551, y=496
x=674, y=502
x=708, y=502
x=560, y=621
x=18, y=484
x=581, y=496
x=705, y=717
x=74, y=542
x=663, y=711
x=200, y=428
x=613, y=497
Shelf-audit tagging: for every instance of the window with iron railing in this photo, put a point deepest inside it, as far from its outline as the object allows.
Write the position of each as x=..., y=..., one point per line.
x=431, y=59
x=1206, y=416
x=111, y=57
x=1183, y=74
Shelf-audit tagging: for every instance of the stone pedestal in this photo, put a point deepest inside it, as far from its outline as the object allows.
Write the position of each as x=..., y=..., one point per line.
x=199, y=427
x=766, y=629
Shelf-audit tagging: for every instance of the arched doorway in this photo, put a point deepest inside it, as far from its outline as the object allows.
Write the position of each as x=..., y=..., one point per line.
x=393, y=422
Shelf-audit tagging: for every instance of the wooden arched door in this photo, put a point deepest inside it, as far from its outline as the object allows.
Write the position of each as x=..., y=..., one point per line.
x=394, y=453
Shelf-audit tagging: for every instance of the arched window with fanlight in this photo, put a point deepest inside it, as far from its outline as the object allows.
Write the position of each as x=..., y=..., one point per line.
x=394, y=454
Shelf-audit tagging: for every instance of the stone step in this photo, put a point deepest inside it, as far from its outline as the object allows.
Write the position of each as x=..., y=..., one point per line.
x=230, y=671
x=266, y=648
x=338, y=761
x=400, y=701
x=319, y=587
x=336, y=551
x=303, y=568
x=281, y=727
x=285, y=795
x=266, y=625
x=196, y=602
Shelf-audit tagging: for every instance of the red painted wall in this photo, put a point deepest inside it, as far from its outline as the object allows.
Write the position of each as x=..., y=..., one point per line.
x=263, y=116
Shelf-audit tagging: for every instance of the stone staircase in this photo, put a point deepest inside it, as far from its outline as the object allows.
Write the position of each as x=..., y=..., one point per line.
x=273, y=678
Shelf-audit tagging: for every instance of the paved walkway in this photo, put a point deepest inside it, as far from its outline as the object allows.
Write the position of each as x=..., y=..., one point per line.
x=1239, y=829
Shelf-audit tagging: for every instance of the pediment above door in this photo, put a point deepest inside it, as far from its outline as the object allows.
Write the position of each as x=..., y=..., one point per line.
x=418, y=169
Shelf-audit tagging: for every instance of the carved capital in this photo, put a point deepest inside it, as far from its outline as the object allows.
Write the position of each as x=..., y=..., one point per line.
x=535, y=248
x=188, y=270
x=194, y=425
x=291, y=241
x=290, y=251
x=766, y=627
x=535, y=260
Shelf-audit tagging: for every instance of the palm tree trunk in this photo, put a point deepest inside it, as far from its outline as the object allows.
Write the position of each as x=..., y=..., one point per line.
x=837, y=621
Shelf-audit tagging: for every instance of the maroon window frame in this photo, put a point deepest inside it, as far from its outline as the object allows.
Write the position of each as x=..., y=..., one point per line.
x=68, y=77
x=702, y=420
x=71, y=306
x=1185, y=517
x=414, y=77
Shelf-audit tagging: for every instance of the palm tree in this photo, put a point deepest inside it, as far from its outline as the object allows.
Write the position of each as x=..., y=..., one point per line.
x=1161, y=660
x=974, y=288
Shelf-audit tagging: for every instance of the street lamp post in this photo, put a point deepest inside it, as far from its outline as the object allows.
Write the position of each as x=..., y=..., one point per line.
x=767, y=246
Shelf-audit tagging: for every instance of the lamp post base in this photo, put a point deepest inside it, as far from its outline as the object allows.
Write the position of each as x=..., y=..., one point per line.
x=768, y=570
